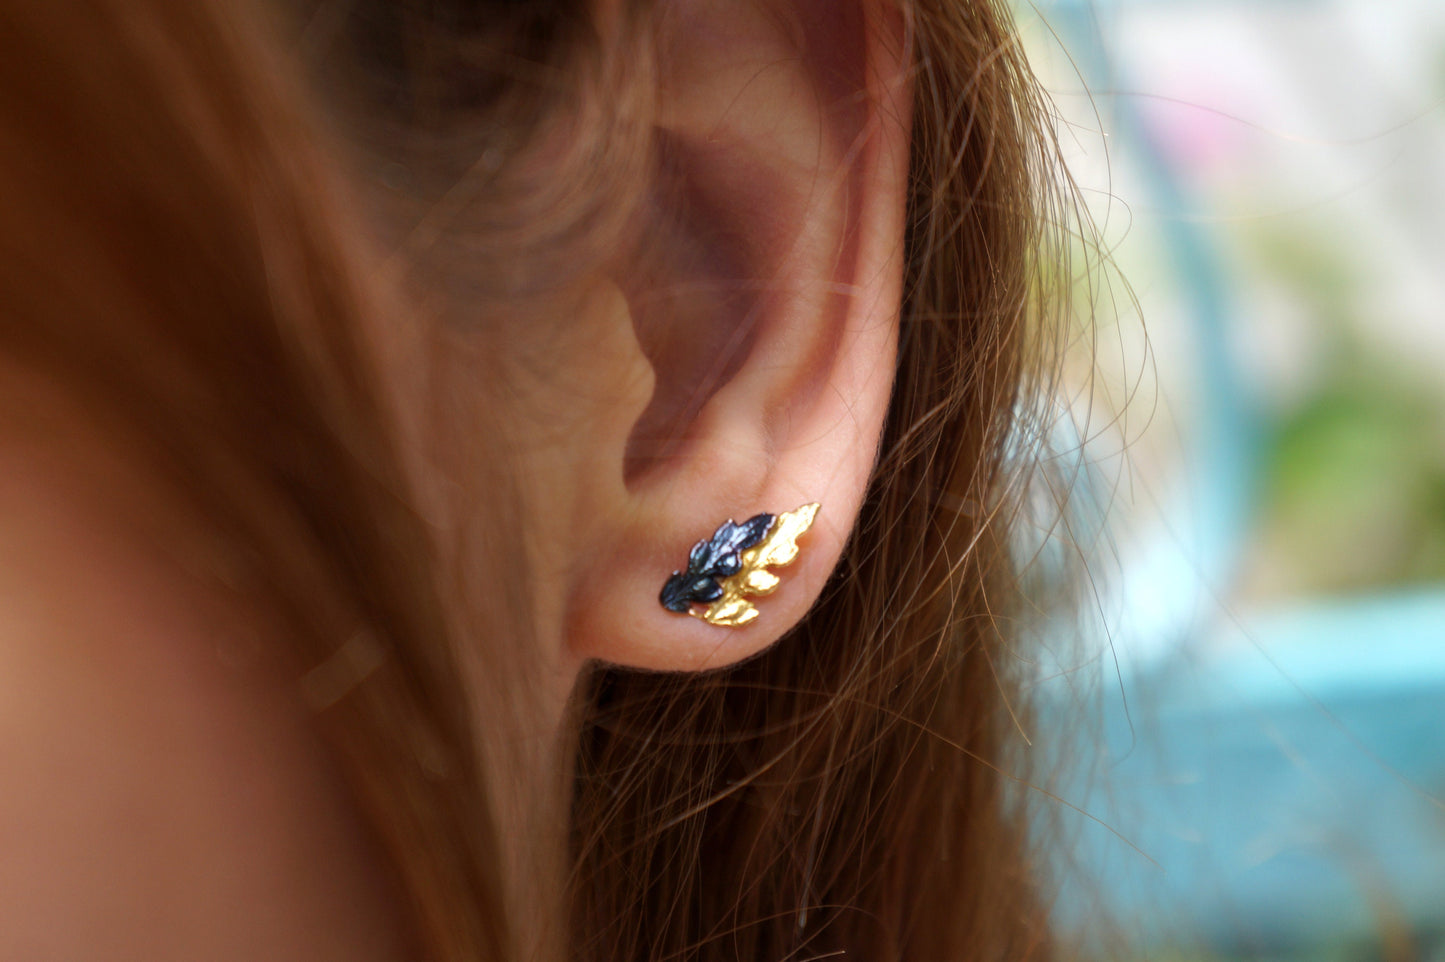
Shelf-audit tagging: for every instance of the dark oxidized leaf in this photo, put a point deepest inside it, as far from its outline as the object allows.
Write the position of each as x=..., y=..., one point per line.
x=698, y=554
x=674, y=595
x=714, y=550
x=753, y=530
x=711, y=559
x=705, y=590
x=682, y=590
x=719, y=558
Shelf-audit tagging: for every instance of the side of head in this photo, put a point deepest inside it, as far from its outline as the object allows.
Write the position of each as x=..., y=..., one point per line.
x=781, y=253
x=467, y=323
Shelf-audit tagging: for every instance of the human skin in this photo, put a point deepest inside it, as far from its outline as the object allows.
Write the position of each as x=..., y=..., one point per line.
x=178, y=803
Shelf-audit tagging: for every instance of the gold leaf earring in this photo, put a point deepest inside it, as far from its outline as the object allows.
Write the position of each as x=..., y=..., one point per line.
x=722, y=571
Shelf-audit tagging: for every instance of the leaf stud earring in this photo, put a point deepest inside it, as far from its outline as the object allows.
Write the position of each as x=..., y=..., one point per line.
x=722, y=571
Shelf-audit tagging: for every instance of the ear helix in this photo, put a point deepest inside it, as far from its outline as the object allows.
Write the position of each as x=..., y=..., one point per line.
x=724, y=570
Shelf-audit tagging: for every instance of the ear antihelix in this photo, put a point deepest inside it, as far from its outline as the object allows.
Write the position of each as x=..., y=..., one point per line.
x=723, y=571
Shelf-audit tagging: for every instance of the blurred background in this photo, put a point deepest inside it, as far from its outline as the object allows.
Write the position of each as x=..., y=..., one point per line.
x=1265, y=432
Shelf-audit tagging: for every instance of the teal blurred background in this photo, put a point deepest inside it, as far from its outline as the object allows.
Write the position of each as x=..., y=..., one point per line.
x=1263, y=428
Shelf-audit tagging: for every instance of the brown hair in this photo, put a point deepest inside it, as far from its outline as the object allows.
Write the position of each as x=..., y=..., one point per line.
x=853, y=792
x=175, y=251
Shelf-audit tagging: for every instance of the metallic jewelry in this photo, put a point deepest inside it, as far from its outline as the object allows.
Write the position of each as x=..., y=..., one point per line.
x=733, y=563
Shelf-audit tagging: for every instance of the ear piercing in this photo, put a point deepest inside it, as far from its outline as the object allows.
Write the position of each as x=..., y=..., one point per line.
x=732, y=564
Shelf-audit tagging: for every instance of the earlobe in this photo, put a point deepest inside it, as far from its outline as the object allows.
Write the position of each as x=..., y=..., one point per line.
x=769, y=316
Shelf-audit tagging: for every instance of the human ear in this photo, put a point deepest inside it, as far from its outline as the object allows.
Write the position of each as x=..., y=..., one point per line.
x=765, y=299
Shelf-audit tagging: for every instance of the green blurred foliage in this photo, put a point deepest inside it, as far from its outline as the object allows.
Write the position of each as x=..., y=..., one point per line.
x=1353, y=479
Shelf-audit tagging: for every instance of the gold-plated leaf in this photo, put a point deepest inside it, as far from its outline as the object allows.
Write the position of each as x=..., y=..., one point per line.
x=760, y=582
x=778, y=547
x=730, y=612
